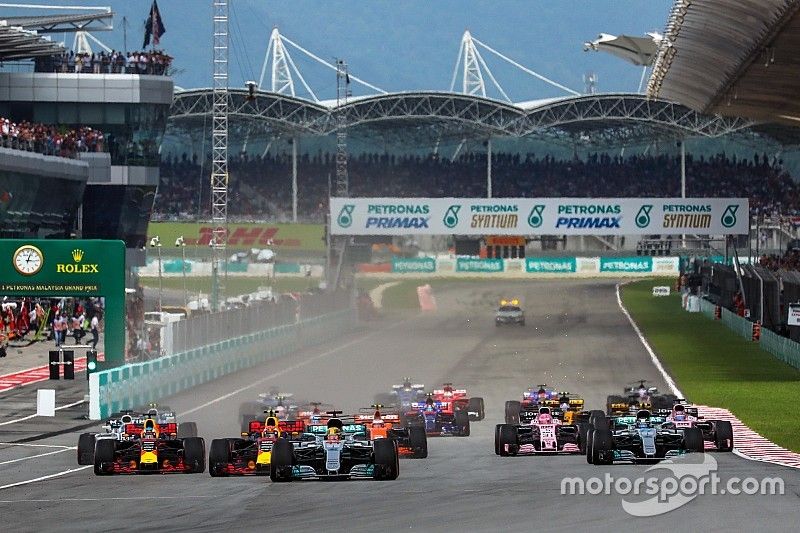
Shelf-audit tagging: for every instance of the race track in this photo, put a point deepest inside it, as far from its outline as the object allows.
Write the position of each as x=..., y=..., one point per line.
x=576, y=339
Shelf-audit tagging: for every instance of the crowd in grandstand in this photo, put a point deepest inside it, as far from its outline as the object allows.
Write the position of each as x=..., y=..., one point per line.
x=114, y=62
x=788, y=261
x=48, y=139
x=260, y=186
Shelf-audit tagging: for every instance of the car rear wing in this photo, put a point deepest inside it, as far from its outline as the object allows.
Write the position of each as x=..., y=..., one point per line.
x=284, y=426
x=164, y=430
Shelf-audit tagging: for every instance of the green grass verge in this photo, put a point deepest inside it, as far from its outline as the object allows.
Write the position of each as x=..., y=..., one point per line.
x=714, y=366
x=234, y=285
x=403, y=296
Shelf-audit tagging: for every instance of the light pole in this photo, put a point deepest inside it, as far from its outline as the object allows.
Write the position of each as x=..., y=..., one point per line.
x=155, y=242
x=179, y=242
x=214, y=276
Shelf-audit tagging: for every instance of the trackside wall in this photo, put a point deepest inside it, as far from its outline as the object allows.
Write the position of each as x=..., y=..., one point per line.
x=137, y=384
x=783, y=348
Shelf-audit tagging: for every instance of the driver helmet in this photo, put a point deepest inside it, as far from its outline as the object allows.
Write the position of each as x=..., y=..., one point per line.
x=542, y=394
x=643, y=418
x=678, y=413
x=545, y=417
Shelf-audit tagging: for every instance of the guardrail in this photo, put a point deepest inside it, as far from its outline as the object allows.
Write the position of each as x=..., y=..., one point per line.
x=137, y=384
x=782, y=348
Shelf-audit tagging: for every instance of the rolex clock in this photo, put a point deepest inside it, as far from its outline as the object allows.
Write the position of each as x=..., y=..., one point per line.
x=28, y=260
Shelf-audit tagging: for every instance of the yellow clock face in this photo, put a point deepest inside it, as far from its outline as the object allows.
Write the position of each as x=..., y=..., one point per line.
x=28, y=260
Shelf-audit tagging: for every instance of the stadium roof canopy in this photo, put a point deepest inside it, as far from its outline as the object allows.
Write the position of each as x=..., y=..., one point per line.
x=603, y=120
x=100, y=19
x=18, y=43
x=732, y=57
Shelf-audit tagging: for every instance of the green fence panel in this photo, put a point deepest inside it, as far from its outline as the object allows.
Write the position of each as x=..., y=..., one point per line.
x=134, y=385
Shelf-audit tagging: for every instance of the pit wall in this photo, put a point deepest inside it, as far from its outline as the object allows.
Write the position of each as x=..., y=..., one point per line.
x=531, y=267
x=134, y=385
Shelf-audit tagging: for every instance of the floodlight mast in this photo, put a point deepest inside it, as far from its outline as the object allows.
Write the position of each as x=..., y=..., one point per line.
x=219, y=152
x=342, y=93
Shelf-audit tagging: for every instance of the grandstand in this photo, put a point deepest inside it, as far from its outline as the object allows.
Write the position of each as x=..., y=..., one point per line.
x=79, y=145
x=462, y=142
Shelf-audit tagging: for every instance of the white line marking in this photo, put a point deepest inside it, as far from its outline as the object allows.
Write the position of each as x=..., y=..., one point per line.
x=73, y=404
x=35, y=456
x=216, y=400
x=37, y=445
x=653, y=357
x=289, y=369
x=115, y=498
x=42, y=478
x=671, y=383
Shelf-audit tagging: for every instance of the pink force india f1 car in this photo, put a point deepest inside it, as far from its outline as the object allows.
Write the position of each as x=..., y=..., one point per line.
x=542, y=434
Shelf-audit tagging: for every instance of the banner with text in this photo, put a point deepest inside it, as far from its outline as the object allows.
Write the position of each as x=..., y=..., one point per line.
x=413, y=265
x=557, y=265
x=539, y=216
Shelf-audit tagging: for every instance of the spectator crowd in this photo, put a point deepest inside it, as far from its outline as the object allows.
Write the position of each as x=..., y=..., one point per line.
x=153, y=62
x=260, y=187
x=49, y=139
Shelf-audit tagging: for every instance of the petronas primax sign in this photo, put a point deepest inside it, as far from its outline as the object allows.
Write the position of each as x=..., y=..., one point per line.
x=539, y=216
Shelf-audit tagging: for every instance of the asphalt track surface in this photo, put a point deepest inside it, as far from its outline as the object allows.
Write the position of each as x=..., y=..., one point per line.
x=576, y=339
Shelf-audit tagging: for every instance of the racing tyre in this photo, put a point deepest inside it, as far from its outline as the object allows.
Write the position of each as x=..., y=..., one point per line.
x=512, y=412
x=693, y=440
x=247, y=408
x=104, y=457
x=497, y=439
x=506, y=440
x=386, y=399
x=418, y=441
x=246, y=419
x=724, y=433
x=598, y=419
x=602, y=447
x=462, y=421
x=588, y=447
x=280, y=467
x=476, y=409
x=387, y=464
x=614, y=399
x=662, y=401
x=582, y=436
x=86, y=449
x=194, y=454
x=187, y=429
x=218, y=457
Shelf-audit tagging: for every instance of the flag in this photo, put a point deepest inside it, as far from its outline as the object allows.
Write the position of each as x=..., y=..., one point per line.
x=153, y=26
